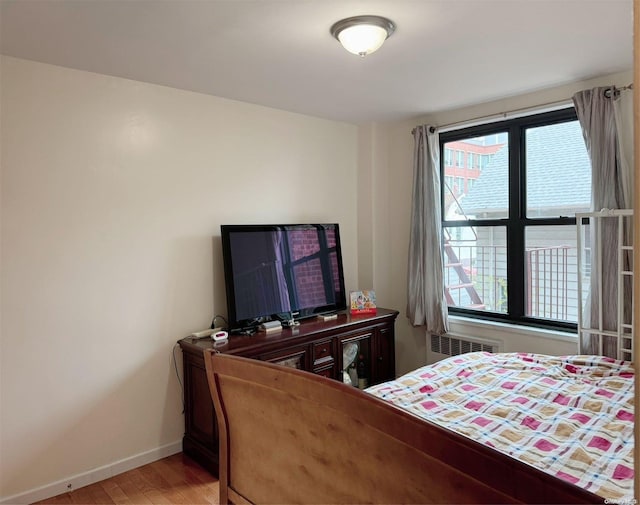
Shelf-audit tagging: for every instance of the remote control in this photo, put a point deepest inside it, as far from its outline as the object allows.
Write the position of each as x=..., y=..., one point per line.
x=202, y=334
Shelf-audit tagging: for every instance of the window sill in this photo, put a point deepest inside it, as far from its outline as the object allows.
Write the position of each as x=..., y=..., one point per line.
x=468, y=323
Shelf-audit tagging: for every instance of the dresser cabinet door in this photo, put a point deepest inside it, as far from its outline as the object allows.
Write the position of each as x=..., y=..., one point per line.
x=355, y=350
x=201, y=429
x=384, y=361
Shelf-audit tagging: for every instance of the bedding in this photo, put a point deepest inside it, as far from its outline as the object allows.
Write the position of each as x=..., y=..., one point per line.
x=570, y=416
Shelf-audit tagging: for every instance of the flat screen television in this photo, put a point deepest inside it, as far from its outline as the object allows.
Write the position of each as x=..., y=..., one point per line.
x=281, y=272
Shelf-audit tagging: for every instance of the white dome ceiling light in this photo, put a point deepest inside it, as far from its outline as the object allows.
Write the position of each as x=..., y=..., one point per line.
x=363, y=35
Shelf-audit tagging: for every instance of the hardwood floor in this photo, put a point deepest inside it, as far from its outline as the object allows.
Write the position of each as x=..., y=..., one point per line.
x=176, y=479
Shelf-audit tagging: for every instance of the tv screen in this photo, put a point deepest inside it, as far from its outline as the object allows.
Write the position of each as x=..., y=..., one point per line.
x=281, y=272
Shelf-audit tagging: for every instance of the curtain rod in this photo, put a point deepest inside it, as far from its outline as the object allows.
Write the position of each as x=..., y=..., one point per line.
x=614, y=91
x=503, y=115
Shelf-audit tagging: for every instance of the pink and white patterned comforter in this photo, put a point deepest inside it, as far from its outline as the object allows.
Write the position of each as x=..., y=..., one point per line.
x=570, y=416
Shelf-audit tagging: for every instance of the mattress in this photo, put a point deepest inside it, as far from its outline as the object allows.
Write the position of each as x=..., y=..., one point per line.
x=570, y=416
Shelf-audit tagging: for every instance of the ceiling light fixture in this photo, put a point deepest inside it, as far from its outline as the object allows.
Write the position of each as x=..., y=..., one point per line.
x=363, y=35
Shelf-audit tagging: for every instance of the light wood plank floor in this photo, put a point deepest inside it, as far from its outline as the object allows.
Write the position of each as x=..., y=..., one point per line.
x=176, y=479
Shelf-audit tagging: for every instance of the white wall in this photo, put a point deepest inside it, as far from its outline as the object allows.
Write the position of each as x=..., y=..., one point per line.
x=113, y=192
x=391, y=173
x=394, y=176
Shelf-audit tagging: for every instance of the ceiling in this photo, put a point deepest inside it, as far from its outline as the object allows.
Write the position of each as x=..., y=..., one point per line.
x=444, y=54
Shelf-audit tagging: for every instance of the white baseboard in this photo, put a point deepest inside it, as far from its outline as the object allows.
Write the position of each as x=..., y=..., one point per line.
x=93, y=476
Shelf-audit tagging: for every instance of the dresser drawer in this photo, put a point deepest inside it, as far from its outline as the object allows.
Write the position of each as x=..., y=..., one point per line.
x=326, y=372
x=323, y=352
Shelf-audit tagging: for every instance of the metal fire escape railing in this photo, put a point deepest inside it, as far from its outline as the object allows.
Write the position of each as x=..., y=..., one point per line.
x=453, y=262
x=464, y=280
x=547, y=282
x=550, y=284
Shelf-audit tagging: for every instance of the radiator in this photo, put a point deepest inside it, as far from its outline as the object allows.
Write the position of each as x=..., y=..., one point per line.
x=452, y=345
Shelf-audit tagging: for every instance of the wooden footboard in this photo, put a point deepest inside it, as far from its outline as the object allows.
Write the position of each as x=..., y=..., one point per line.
x=288, y=436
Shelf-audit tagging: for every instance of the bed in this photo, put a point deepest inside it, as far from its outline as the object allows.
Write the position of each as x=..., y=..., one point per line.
x=472, y=428
x=569, y=416
x=288, y=436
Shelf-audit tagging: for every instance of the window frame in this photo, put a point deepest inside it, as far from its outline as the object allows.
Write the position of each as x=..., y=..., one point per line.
x=517, y=221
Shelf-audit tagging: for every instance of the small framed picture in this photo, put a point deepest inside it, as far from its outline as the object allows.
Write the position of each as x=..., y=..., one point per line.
x=363, y=302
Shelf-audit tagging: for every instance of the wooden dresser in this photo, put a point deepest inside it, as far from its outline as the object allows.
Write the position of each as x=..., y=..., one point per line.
x=320, y=347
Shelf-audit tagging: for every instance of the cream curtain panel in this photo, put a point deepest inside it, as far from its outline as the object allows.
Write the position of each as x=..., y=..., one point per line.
x=426, y=305
x=605, y=126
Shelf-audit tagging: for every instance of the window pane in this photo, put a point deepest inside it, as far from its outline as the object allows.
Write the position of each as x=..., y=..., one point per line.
x=558, y=170
x=551, y=269
x=475, y=274
x=481, y=190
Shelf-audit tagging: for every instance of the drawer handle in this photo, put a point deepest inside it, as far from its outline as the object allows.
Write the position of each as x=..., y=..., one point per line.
x=380, y=358
x=324, y=350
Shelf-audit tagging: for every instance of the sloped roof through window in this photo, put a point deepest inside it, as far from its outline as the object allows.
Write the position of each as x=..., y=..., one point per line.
x=558, y=174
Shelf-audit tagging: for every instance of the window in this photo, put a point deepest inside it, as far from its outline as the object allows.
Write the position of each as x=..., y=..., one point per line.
x=469, y=161
x=459, y=158
x=448, y=157
x=510, y=240
x=448, y=180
